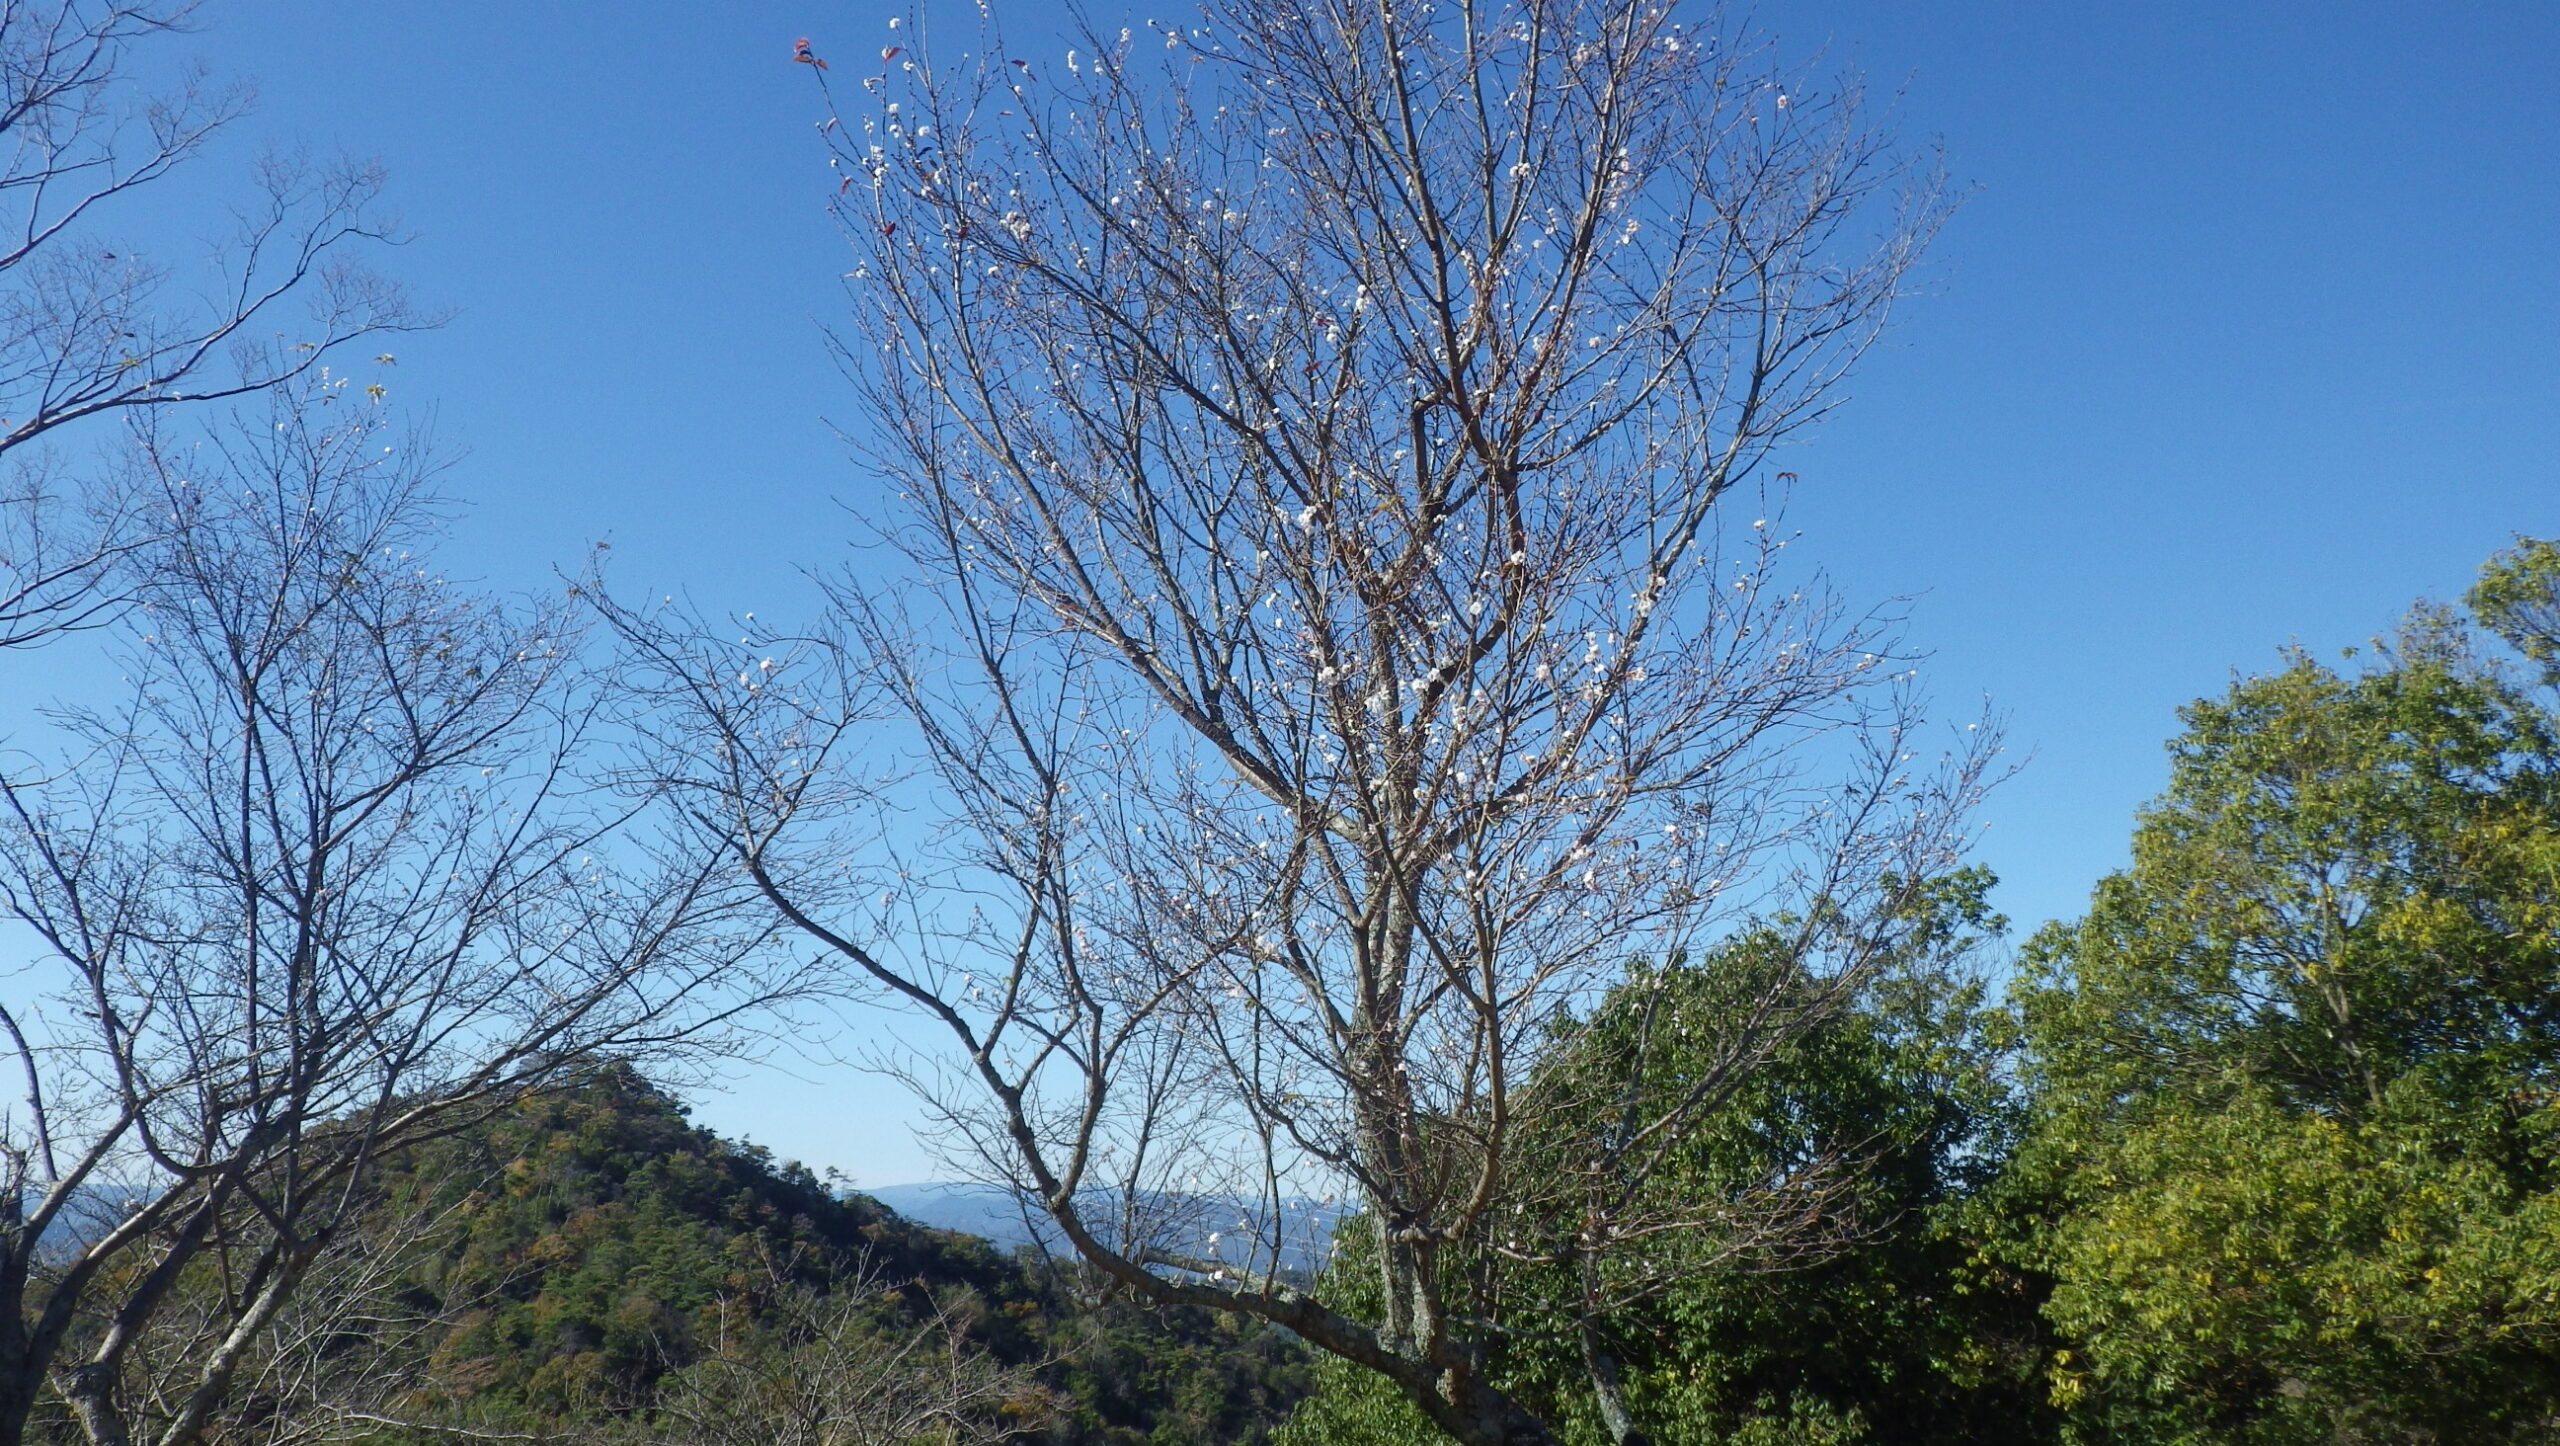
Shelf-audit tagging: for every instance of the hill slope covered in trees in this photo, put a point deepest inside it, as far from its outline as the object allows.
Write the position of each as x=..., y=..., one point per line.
x=591, y=1262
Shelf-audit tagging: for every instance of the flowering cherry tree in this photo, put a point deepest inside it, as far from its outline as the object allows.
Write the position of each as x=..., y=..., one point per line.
x=1341, y=631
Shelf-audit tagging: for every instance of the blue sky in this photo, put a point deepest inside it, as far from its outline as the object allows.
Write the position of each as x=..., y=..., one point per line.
x=2249, y=333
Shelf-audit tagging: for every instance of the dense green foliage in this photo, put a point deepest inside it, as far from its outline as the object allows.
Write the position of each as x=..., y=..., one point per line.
x=2518, y=599
x=1872, y=1323
x=2297, y=1132
x=2267, y=1151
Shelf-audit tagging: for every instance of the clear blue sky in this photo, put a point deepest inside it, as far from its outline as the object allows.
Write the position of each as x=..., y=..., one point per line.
x=2249, y=333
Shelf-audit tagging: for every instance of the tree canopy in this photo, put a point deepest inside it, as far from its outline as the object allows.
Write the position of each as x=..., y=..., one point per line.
x=1868, y=1142
x=2294, y=1072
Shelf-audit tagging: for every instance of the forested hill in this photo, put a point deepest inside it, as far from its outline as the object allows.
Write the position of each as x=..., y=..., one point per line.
x=580, y=1253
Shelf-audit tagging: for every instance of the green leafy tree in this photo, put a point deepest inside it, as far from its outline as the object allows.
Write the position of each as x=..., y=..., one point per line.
x=2518, y=598
x=1821, y=1286
x=2296, y=1117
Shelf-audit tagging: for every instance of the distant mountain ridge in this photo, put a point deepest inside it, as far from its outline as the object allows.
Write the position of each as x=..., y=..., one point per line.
x=995, y=1214
x=92, y=1211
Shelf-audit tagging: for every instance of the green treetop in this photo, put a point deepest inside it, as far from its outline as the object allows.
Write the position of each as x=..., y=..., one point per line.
x=2295, y=1070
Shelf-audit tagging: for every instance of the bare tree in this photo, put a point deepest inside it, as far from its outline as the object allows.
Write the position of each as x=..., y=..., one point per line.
x=848, y=1366
x=338, y=1361
x=1334, y=654
x=327, y=884
x=89, y=327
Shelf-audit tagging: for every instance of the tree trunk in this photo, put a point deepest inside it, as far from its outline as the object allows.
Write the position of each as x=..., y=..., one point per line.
x=1602, y=1367
x=91, y=1391
x=17, y=1399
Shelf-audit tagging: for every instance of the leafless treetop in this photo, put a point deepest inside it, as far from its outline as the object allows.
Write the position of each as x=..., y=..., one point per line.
x=1343, y=624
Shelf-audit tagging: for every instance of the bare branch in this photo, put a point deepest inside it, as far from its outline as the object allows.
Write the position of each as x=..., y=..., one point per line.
x=91, y=329
x=332, y=881
x=1348, y=634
